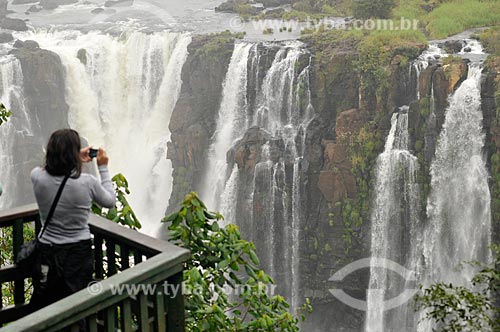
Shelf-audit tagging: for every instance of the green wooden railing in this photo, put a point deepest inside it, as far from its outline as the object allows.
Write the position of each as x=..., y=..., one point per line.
x=123, y=257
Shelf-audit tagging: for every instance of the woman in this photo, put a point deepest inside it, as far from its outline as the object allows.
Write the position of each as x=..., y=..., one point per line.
x=65, y=263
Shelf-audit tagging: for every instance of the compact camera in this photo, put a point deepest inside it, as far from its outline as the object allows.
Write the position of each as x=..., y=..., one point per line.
x=93, y=153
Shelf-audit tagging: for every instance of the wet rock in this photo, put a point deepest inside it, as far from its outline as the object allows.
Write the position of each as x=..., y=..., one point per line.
x=452, y=46
x=6, y=37
x=275, y=13
x=35, y=9
x=13, y=24
x=194, y=117
x=97, y=10
x=336, y=181
x=467, y=49
x=82, y=56
x=23, y=2
x=455, y=73
x=45, y=88
x=238, y=6
x=118, y=3
x=28, y=44
x=18, y=44
x=53, y=4
x=247, y=151
x=275, y=3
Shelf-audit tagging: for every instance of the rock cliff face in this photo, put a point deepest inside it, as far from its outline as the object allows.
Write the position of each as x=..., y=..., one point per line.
x=193, y=120
x=351, y=121
x=346, y=133
x=44, y=86
x=44, y=90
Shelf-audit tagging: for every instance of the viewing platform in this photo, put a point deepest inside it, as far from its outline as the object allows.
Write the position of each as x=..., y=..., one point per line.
x=122, y=256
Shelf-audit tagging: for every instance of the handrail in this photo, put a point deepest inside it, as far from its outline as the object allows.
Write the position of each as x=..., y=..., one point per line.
x=77, y=306
x=164, y=264
x=7, y=216
x=128, y=236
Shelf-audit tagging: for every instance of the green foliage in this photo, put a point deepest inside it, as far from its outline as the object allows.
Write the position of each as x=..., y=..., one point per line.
x=310, y=6
x=455, y=16
x=411, y=9
x=364, y=149
x=378, y=48
x=491, y=40
x=4, y=114
x=122, y=213
x=219, y=45
x=495, y=174
x=461, y=309
x=7, y=258
x=425, y=106
x=222, y=262
x=372, y=8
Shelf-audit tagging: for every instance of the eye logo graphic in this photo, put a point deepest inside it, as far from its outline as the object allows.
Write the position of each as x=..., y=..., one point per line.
x=376, y=262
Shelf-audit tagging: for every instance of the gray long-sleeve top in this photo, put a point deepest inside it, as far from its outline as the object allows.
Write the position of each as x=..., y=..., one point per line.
x=70, y=220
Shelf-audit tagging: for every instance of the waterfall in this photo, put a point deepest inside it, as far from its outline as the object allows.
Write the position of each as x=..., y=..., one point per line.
x=284, y=108
x=279, y=103
x=17, y=129
x=231, y=120
x=394, y=217
x=458, y=207
x=121, y=91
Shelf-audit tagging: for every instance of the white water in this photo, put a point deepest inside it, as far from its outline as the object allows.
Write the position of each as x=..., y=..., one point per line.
x=282, y=107
x=17, y=128
x=458, y=207
x=231, y=120
x=432, y=53
x=122, y=100
x=227, y=206
x=395, y=210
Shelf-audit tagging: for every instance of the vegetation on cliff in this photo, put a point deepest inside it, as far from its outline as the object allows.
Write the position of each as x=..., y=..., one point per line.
x=491, y=41
x=368, y=59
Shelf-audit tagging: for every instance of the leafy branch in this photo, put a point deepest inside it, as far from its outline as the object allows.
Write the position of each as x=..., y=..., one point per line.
x=4, y=114
x=226, y=290
x=461, y=309
x=122, y=213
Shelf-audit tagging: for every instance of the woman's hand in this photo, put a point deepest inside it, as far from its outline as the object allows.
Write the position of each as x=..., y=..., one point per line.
x=84, y=155
x=102, y=157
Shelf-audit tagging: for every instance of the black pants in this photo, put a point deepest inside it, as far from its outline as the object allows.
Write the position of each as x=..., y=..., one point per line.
x=68, y=268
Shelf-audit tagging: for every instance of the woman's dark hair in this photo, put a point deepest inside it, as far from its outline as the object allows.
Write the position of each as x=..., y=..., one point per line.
x=63, y=153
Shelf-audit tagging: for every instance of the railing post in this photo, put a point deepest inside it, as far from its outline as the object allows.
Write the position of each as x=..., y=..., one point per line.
x=17, y=237
x=17, y=241
x=99, y=272
x=175, y=306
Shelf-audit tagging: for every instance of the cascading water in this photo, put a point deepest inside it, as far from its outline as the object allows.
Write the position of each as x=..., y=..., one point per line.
x=17, y=129
x=458, y=207
x=394, y=217
x=281, y=106
x=231, y=120
x=121, y=92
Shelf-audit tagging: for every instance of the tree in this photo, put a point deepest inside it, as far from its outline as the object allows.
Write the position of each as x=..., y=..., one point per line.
x=222, y=264
x=122, y=213
x=372, y=8
x=460, y=309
